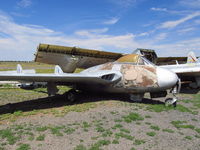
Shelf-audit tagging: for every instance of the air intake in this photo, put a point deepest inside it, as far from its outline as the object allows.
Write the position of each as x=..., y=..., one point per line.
x=108, y=77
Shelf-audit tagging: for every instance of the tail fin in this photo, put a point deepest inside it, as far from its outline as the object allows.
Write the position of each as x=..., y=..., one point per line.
x=58, y=70
x=191, y=58
x=19, y=68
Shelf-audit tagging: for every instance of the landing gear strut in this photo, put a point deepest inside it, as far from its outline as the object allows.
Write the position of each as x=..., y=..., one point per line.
x=174, y=91
x=51, y=89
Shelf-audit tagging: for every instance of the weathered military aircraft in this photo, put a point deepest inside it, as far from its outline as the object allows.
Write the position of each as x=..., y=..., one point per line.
x=131, y=74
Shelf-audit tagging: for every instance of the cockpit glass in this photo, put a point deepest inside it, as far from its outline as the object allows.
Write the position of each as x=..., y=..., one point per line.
x=134, y=59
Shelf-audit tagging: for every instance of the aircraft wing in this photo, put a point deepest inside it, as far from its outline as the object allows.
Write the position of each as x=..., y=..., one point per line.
x=191, y=70
x=191, y=58
x=170, y=60
x=189, y=74
x=70, y=58
x=104, y=77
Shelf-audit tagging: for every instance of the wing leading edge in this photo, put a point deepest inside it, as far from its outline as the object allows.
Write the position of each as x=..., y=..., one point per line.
x=185, y=69
x=102, y=77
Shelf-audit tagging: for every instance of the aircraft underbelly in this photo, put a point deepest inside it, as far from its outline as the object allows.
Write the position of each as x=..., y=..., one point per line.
x=112, y=89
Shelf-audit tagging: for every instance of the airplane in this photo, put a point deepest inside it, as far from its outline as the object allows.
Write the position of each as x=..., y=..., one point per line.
x=189, y=73
x=130, y=74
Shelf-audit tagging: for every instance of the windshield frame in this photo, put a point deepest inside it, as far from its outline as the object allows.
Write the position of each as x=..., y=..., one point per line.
x=146, y=61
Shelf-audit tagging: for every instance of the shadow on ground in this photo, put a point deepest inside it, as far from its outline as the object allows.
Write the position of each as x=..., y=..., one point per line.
x=60, y=100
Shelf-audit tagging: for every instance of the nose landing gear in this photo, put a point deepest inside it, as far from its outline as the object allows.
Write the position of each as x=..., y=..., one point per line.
x=175, y=90
x=171, y=101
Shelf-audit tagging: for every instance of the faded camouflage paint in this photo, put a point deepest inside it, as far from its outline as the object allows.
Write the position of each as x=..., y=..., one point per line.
x=138, y=76
x=133, y=76
x=134, y=58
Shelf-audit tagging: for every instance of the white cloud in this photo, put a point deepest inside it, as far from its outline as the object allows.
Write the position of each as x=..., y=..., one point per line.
x=91, y=33
x=111, y=21
x=148, y=33
x=120, y=42
x=18, y=14
x=19, y=42
x=173, y=24
x=186, y=30
x=197, y=22
x=124, y=3
x=179, y=12
x=160, y=37
x=143, y=34
x=179, y=48
x=24, y=3
x=159, y=9
x=190, y=3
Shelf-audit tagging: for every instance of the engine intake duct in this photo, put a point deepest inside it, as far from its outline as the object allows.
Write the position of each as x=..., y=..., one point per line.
x=108, y=77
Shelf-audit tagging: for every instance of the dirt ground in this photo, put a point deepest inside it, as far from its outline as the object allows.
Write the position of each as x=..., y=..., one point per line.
x=29, y=120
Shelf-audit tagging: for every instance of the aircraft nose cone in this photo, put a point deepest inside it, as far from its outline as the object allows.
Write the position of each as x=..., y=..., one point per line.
x=166, y=78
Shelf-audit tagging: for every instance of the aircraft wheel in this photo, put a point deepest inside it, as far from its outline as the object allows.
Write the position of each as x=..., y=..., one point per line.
x=71, y=95
x=136, y=97
x=170, y=101
x=174, y=104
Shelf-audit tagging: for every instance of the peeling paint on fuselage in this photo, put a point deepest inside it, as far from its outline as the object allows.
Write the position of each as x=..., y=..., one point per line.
x=138, y=76
x=134, y=77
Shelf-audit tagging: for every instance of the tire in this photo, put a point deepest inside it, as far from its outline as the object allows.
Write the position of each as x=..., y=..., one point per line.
x=168, y=102
x=174, y=104
x=136, y=97
x=71, y=95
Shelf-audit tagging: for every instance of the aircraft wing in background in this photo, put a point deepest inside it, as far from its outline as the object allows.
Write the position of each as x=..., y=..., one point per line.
x=189, y=72
x=184, y=70
x=70, y=58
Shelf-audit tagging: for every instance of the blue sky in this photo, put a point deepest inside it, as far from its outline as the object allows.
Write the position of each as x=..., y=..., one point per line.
x=170, y=27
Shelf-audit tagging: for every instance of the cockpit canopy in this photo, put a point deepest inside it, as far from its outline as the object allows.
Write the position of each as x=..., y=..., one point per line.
x=134, y=59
